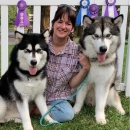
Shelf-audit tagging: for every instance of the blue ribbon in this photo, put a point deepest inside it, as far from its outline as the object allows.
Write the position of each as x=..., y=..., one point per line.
x=82, y=6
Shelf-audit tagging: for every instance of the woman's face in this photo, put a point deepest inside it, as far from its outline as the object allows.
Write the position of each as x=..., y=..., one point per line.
x=62, y=27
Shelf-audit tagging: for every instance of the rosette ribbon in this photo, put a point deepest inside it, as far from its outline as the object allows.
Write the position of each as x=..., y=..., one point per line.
x=21, y=17
x=84, y=4
x=111, y=9
x=93, y=10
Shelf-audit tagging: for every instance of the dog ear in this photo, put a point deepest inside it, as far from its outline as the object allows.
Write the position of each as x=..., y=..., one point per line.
x=18, y=37
x=46, y=35
x=87, y=21
x=118, y=20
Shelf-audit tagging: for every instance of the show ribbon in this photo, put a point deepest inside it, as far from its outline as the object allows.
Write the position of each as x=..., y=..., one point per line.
x=111, y=9
x=93, y=10
x=21, y=17
x=84, y=4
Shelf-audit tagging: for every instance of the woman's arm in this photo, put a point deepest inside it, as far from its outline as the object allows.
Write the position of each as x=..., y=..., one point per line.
x=78, y=78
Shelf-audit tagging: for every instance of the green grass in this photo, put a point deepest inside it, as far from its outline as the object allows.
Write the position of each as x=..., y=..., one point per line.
x=85, y=119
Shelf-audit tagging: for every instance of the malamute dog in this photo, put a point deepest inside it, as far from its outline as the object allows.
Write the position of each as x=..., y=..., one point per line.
x=100, y=41
x=25, y=79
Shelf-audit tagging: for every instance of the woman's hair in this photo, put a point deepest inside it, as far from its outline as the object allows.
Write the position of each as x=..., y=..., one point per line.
x=62, y=10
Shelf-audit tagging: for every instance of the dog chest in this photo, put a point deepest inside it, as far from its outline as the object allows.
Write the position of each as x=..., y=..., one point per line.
x=30, y=88
x=100, y=73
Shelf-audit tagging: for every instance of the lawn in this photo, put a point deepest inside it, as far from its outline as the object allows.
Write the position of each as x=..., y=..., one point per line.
x=85, y=119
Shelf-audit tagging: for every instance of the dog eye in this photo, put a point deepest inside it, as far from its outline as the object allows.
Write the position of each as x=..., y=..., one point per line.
x=27, y=51
x=38, y=50
x=96, y=36
x=108, y=35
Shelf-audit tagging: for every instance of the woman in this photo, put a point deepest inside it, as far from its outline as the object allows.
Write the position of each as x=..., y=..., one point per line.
x=63, y=68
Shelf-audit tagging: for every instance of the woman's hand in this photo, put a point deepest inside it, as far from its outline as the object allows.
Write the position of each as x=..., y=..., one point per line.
x=78, y=78
x=84, y=61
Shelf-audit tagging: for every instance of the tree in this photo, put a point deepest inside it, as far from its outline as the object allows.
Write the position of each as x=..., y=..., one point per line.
x=12, y=14
x=45, y=17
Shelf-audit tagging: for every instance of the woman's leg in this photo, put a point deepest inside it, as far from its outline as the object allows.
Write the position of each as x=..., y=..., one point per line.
x=62, y=111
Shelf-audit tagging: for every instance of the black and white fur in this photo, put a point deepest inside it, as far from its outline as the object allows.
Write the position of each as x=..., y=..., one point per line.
x=25, y=80
x=100, y=41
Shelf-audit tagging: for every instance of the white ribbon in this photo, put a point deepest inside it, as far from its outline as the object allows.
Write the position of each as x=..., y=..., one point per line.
x=111, y=11
x=83, y=12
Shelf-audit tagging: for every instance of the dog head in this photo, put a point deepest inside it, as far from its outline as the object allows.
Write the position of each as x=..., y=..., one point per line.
x=101, y=36
x=30, y=53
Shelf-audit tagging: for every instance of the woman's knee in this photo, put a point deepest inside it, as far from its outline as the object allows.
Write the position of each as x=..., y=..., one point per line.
x=68, y=114
x=62, y=116
x=62, y=112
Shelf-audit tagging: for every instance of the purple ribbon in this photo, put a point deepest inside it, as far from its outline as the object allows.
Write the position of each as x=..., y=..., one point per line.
x=21, y=18
x=107, y=13
x=93, y=10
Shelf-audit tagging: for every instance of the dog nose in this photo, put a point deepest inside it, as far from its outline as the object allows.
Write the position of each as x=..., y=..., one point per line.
x=33, y=62
x=103, y=49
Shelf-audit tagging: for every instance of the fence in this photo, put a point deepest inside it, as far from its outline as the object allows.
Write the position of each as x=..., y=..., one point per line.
x=123, y=4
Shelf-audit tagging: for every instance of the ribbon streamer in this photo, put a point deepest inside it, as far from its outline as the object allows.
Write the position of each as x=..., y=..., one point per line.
x=84, y=4
x=93, y=9
x=111, y=9
x=21, y=17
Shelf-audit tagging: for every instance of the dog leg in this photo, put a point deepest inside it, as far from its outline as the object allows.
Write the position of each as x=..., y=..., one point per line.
x=80, y=97
x=101, y=94
x=24, y=113
x=3, y=109
x=42, y=106
x=90, y=98
x=114, y=100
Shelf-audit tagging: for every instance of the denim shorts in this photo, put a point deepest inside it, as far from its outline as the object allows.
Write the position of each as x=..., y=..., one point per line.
x=62, y=111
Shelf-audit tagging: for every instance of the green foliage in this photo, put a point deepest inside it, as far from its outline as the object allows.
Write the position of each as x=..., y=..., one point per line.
x=12, y=14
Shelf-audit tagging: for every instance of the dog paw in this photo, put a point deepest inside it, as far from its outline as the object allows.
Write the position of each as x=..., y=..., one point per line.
x=100, y=118
x=17, y=120
x=28, y=128
x=76, y=110
x=50, y=120
x=101, y=121
x=121, y=111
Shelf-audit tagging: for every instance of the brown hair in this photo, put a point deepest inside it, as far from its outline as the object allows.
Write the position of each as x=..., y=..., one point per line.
x=71, y=16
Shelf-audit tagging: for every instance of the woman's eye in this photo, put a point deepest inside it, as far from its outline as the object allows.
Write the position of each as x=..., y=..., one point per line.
x=59, y=21
x=69, y=23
